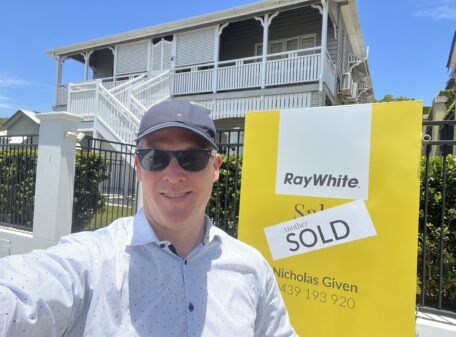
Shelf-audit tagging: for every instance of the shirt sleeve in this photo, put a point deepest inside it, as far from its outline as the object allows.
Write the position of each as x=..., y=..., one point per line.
x=272, y=317
x=44, y=293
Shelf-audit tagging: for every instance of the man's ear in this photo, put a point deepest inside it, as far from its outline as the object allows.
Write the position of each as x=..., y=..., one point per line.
x=138, y=169
x=217, y=162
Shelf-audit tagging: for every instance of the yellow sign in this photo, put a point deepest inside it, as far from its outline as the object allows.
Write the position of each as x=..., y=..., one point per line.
x=330, y=197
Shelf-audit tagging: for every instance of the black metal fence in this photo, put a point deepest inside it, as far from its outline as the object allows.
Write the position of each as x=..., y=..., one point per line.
x=437, y=236
x=223, y=207
x=18, y=159
x=105, y=185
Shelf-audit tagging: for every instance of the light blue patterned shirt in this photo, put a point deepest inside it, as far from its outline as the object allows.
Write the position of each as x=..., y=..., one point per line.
x=122, y=281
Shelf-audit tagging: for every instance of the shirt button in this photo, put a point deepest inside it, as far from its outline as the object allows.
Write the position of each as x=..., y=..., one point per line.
x=190, y=307
x=185, y=261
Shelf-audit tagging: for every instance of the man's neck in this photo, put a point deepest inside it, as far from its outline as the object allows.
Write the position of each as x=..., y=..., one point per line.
x=183, y=240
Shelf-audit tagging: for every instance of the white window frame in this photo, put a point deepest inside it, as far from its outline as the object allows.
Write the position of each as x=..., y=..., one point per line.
x=284, y=42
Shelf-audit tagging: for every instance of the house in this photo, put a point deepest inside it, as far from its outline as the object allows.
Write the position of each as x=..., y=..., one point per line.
x=261, y=56
x=22, y=127
x=443, y=106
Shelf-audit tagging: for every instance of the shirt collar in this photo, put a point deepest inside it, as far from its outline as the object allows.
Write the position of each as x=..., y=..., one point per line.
x=143, y=233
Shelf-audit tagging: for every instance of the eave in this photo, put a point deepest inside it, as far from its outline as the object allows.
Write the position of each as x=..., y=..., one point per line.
x=237, y=13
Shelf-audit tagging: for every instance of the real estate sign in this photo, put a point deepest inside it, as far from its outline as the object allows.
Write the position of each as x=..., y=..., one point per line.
x=330, y=197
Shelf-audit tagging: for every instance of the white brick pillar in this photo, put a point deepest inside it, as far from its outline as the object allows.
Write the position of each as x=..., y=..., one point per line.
x=55, y=175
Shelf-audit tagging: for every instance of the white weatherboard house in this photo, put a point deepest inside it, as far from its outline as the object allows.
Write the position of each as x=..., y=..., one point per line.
x=262, y=56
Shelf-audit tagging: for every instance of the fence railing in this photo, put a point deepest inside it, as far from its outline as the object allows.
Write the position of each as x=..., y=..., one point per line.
x=106, y=187
x=18, y=159
x=223, y=207
x=437, y=237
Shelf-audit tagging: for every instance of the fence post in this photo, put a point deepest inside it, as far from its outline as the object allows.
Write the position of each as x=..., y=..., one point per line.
x=55, y=175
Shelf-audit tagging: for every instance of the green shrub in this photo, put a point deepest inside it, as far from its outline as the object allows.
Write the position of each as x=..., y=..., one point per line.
x=223, y=207
x=17, y=181
x=91, y=170
x=435, y=198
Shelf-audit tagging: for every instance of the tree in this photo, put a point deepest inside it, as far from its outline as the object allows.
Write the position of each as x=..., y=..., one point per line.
x=391, y=98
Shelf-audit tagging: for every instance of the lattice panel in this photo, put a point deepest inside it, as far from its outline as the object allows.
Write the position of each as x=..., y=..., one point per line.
x=195, y=47
x=132, y=57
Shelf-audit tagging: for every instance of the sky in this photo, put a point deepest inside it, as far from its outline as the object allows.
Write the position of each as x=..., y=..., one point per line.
x=409, y=41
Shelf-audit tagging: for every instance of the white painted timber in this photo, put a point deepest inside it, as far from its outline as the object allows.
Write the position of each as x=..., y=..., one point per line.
x=292, y=67
x=237, y=107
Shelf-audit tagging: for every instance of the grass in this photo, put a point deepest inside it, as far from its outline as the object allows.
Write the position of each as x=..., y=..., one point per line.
x=109, y=214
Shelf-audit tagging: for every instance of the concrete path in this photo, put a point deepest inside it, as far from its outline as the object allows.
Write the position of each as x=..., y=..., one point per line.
x=431, y=325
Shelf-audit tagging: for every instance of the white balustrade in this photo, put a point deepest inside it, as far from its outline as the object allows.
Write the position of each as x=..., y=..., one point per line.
x=189, y=81
x=62, y=95
x=150, y=92
x=243, y=74
x=297, y=66
x=82, y=98
x=120, y=121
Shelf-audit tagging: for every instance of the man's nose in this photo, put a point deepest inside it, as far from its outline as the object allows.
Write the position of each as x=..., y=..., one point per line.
x=174, y=172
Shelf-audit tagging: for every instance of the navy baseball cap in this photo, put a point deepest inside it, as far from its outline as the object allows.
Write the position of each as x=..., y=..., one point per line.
x=178, y=114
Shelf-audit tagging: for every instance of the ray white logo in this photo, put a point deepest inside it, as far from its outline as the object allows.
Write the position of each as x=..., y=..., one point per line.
x=324, y=152
x=338, y=225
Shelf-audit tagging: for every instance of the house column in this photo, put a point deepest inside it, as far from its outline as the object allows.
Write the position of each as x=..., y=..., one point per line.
x=114, y=66
x=58, y=80
x=265, y=22
x=218, y=32
x=173, y=65
x=323, y=9
x=86, y=56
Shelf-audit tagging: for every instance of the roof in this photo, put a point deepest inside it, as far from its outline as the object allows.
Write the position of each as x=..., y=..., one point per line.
x=18, y=114
x=452, y=57
x=349, y=13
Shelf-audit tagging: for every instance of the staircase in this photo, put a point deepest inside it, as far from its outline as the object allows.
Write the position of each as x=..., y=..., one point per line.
x=117, y=111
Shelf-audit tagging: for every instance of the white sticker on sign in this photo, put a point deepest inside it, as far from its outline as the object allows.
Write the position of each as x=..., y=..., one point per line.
x=334, y=226
x=325, y=152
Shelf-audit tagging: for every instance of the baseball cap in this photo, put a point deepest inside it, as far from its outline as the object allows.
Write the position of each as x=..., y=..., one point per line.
x=178, y=114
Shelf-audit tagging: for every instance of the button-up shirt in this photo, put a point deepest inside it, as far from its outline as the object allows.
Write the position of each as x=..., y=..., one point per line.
x=123, y=281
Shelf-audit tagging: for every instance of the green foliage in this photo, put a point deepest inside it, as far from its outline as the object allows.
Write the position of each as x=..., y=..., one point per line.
x=91, y=170
x=451, y=102
x=223, y=207
x=435, y=198
x=17, y=181
x=426, y=110
x=2, y=120
x=391, y=98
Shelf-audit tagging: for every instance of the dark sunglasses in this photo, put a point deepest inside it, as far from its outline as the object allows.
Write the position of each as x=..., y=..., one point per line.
x=190, y=160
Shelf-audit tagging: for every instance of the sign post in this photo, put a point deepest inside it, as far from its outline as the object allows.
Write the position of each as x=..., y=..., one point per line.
x=330, y=196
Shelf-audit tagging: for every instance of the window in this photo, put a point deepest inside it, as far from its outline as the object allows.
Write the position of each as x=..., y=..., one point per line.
x=288, y=44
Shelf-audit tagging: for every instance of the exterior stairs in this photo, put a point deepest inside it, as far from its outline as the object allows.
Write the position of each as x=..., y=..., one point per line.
x=117, y=111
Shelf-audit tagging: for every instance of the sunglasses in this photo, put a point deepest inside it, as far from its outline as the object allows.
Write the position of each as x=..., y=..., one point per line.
x=192, y=160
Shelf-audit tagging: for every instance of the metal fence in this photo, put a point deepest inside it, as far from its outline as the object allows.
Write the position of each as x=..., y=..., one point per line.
x=105, y=184
x=106, y=187
x=223, y=207
x=18, y=159
x=437, y=235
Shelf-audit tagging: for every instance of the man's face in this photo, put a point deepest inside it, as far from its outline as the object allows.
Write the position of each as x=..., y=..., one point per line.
x=175, y=198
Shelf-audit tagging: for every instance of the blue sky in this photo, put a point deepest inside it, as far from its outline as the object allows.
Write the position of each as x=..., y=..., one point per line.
x=409, y=41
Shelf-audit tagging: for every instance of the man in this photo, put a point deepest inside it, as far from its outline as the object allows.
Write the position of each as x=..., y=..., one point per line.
x=166, y=272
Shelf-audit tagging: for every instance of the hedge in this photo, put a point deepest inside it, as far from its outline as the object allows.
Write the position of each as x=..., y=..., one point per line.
x=223, y=207
x=17, y=180
x=435, y=198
